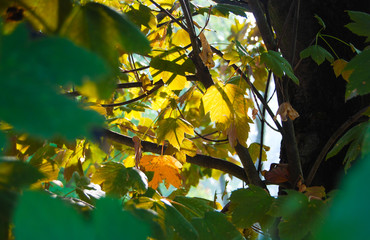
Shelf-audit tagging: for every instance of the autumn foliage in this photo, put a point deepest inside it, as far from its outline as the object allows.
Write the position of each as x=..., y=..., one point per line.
x=106, y=106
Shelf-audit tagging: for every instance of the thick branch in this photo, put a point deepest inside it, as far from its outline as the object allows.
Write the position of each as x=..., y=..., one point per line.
x=200, y=160
x=202, y=71
x=248, y=165
x=262, y=23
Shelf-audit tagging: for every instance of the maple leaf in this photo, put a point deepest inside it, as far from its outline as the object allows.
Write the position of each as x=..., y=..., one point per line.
x=222, y=102
x=173, y=130
x=165, y=168
x=229, y=112
x=285, y=109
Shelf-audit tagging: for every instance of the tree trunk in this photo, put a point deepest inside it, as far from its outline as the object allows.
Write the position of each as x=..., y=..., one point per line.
x=319, y=99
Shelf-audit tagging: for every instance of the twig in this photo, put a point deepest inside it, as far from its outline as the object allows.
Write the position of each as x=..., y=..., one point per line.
x=330, y=143
x=262, y=122
x=170, y=15
x=134, y=70
x=135, y=99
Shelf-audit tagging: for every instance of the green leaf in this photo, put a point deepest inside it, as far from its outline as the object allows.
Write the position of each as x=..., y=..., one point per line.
x=51, y=219
x=278, y=65
x=171, y=66
x=111, y=222
x=175, y=221
x=361, y=24
x=249, y=206
x=142, y=16
x=321, y=22
x=3, y=142
x=17, y=174
x=118, y=180
x=215, y=226
x=29, y=76
x=191, y=207
x=101, y=29
x=318, y=54
x=224, y=10
x=359, y=79
x=349, y=213
x=299, y=215
x=354, y=137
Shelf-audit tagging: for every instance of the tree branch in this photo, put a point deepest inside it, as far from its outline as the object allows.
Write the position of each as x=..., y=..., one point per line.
x=262, y=23
x=200, y=160
x=330, y=143
x=248, y=165
x=202, y=71
x=137, y=98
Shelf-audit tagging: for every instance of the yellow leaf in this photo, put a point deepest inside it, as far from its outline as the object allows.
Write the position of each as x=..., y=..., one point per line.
x=254, y=151
x=285, y=109
x=181, y=38
x=165, y=168
x=173, y=130
x=206, y=53
x=223, y=102
x=232, y=57
x=338, y=66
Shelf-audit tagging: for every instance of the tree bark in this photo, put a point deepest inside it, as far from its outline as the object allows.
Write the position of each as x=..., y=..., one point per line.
x=319, y=99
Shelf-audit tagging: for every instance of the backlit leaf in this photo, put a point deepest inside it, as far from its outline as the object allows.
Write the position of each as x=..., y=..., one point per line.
x=230, y=100
x=215, y=225
x=173, y=130
x=360, y=24
x=118, y=180
x=254, y=151
x=286, y=110
x=165, y=168
x=278, y=65
x=318, y=54
x=110, y=30
x=206, y=53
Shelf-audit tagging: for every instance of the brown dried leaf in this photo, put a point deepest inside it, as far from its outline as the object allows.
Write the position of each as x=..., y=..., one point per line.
x=206, y=53
x=254, y=113
x=278, y=173
x=137, y=146
x=286, y=110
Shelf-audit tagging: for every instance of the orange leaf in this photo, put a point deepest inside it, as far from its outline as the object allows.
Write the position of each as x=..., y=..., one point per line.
x=278, y=173
x=165, y=168
x=285, y=109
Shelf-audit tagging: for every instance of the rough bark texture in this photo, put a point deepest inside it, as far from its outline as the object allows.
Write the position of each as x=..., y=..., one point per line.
x=320, y=97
